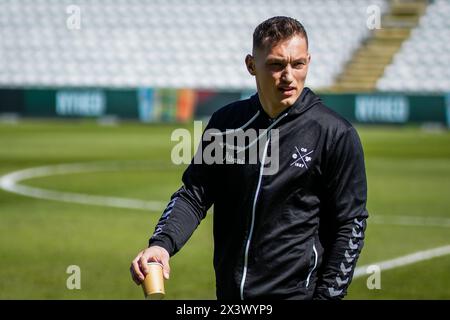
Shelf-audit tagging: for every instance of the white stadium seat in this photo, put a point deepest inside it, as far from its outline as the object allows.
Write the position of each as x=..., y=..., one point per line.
x=423, y=63
x=168, y=43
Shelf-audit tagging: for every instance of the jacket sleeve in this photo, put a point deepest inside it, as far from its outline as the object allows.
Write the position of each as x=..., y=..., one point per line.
x=188, y=205
x=343, y=220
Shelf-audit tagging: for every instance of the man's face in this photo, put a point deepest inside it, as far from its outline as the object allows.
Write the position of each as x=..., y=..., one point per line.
x=280, y=71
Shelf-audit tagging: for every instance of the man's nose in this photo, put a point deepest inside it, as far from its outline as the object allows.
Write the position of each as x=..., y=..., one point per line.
x=286, y=75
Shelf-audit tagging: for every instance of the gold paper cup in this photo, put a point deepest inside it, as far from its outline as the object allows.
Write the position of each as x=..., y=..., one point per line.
x=153, y=284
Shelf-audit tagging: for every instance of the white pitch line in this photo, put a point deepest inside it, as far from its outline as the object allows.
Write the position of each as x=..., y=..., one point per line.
x=404, y=260
x=10, y=182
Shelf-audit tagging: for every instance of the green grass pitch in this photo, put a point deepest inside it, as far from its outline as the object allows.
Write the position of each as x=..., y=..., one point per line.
x=408, y=176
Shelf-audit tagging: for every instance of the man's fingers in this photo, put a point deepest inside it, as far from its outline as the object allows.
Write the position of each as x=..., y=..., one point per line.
x=166, y=273
x=166, y=268
x=137, y=271
x=143, y=264
x=134, y=276
x=139, y=268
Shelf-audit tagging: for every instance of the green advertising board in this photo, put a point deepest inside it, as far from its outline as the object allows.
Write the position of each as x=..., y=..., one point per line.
x=168, y=105
x=91, y=103
x=388, y=108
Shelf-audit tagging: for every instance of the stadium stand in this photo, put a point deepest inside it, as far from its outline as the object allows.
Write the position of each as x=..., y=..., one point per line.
x=179, y=43
x=376, y=53
x=423, y=62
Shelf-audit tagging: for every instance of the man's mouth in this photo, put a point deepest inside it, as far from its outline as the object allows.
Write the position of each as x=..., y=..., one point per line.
x=287, y=91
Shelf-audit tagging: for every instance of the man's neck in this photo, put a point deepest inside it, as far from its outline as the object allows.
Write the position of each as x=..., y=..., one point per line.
x=273, y=111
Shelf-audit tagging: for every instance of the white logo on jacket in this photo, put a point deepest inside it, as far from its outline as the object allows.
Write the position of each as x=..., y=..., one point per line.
x=301, y=157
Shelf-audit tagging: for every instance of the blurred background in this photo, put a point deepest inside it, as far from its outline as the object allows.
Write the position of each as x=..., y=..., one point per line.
x=91, y=91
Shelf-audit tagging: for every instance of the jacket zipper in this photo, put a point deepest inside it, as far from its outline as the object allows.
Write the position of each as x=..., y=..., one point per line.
x=315, y=264
x=244, y=272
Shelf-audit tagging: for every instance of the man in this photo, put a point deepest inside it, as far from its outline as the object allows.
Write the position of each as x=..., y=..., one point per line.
x=293, y=234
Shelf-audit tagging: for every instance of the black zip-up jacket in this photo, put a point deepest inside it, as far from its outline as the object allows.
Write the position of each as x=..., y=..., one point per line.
x=294, y=234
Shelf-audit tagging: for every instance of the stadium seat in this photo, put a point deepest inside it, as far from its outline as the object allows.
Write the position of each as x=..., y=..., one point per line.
x=173, y=43
x=425, y=55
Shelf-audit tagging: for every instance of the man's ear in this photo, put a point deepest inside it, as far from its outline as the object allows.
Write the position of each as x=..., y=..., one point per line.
x=250, y=63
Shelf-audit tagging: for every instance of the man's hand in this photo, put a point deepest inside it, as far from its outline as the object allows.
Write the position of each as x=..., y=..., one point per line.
x=139, y=268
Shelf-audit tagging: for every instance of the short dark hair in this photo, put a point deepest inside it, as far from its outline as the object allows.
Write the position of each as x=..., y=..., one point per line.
x=276, y=29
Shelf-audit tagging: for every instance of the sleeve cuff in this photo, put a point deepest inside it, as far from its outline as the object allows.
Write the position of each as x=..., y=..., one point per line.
x=164, y=243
